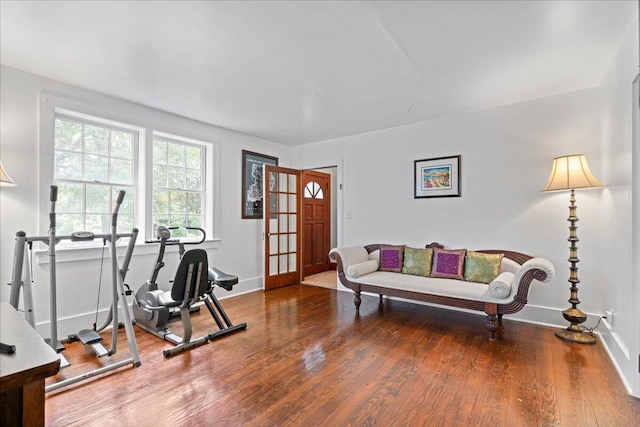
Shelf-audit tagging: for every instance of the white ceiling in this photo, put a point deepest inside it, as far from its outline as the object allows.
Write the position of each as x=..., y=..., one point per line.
x=298, y=72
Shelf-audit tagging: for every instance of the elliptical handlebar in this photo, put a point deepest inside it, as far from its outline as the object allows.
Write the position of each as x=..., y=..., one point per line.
x=119, y=200
x=53, y=198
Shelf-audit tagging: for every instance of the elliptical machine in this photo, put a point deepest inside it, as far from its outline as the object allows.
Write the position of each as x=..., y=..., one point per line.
x=152, y=312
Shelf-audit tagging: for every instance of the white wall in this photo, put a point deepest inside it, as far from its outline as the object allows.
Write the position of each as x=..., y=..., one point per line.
x=239, y=252
x=619, y=288
x=506, y=158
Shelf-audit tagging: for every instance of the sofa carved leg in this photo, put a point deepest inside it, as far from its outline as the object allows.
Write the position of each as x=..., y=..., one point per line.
x=357, y=300
x=492, y=319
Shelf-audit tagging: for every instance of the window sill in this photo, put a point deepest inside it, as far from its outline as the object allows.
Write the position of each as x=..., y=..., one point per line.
x=85, y=252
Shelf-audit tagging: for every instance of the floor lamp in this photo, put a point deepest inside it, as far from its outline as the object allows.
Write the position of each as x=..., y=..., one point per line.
x=5, y=179
x=572, y=173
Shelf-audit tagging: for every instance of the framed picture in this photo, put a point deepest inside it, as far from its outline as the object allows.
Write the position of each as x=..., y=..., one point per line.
x=252, y=181
x=438, y=177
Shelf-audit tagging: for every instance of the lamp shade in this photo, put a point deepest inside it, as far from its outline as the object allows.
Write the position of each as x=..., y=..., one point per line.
x=570, y=173
x=5, y=179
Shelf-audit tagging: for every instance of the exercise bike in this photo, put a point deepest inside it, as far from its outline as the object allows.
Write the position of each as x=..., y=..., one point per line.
x=194, y=282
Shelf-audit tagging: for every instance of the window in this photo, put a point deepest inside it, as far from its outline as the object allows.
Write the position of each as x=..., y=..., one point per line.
x=178, y=192
x=92, y=152
x=92, y=163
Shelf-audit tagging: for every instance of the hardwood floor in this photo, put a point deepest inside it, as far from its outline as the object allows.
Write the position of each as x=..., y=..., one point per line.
x=307, y=359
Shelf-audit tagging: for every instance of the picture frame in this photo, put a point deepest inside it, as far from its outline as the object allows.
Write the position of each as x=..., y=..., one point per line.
x=252, y=182
x=437, y=177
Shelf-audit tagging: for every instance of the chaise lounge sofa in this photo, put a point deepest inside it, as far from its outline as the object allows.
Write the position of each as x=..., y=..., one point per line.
x=493, y=281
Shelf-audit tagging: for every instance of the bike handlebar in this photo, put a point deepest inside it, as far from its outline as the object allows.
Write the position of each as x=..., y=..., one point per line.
x=164, y=236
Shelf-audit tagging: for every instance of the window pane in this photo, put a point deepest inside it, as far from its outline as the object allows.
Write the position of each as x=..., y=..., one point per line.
x=68, y=223
x=125, y=222
x=95, y=140
x=194, y=203
x=121, y=171
x=176, y=155
x=176, y=178
x=96, y=168
x=160, y=202
x=160, y=220
x=70, y=198
x=99, y=223
x=122, y=144
x=194, y=221
x=98, y=199
x=159, y=176
x=68, y=135
x=194, y=158
x=193, y=177
x=180, y=222
x=160, y=152
x=68, y=165
x=178, y=202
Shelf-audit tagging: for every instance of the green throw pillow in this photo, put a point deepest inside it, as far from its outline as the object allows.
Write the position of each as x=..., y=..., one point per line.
x=481, y=267
x=417, y=261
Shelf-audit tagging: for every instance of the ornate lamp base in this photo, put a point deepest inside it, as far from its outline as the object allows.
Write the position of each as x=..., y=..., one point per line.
x=576, y=336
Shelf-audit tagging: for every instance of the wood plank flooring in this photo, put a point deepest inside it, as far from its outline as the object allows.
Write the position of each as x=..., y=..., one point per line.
x=307, y=359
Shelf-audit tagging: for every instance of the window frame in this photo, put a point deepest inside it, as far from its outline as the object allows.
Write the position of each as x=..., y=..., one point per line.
x=147, y=122
x=207, y=181
x=111, y=125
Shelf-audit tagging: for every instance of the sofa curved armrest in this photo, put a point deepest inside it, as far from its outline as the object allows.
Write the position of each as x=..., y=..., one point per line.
x=537, y=268
x=346, y=257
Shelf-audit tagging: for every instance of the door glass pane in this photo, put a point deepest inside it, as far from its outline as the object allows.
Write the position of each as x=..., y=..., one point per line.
x=273, y=244
x=292, y=184
x=273, y=224
x=292, y=262
x=273, y=181
x=292, y=223
x=283, y=203
x=273, y=265
x=283, y=243
x=292, y=242
x=273, y=202
x=283, y=223
x=292, y=203
x=283, y=264
x=283, y=183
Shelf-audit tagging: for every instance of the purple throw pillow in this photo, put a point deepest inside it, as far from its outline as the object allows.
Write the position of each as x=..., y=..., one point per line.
x=448, y=263
x=391, y=258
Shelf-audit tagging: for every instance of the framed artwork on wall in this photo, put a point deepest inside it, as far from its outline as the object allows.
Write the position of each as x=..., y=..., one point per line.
x=252, y=181
x=437, y=177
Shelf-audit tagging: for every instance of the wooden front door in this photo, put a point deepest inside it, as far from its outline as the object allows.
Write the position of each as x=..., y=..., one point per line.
x=281, y=227
x=316, y=221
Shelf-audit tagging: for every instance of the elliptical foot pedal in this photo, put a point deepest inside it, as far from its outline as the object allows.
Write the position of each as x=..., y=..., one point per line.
x=91, y=341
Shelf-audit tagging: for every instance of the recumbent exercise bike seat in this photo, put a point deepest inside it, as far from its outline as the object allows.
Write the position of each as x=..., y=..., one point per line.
x=222, y=279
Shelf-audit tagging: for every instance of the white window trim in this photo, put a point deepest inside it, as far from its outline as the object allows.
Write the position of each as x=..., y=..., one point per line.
x=120, y=113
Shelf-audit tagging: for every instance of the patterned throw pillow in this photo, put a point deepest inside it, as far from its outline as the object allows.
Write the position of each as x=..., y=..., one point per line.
x=482, y=268
x=448, y=263
x=391, y=258
x=417, y=261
